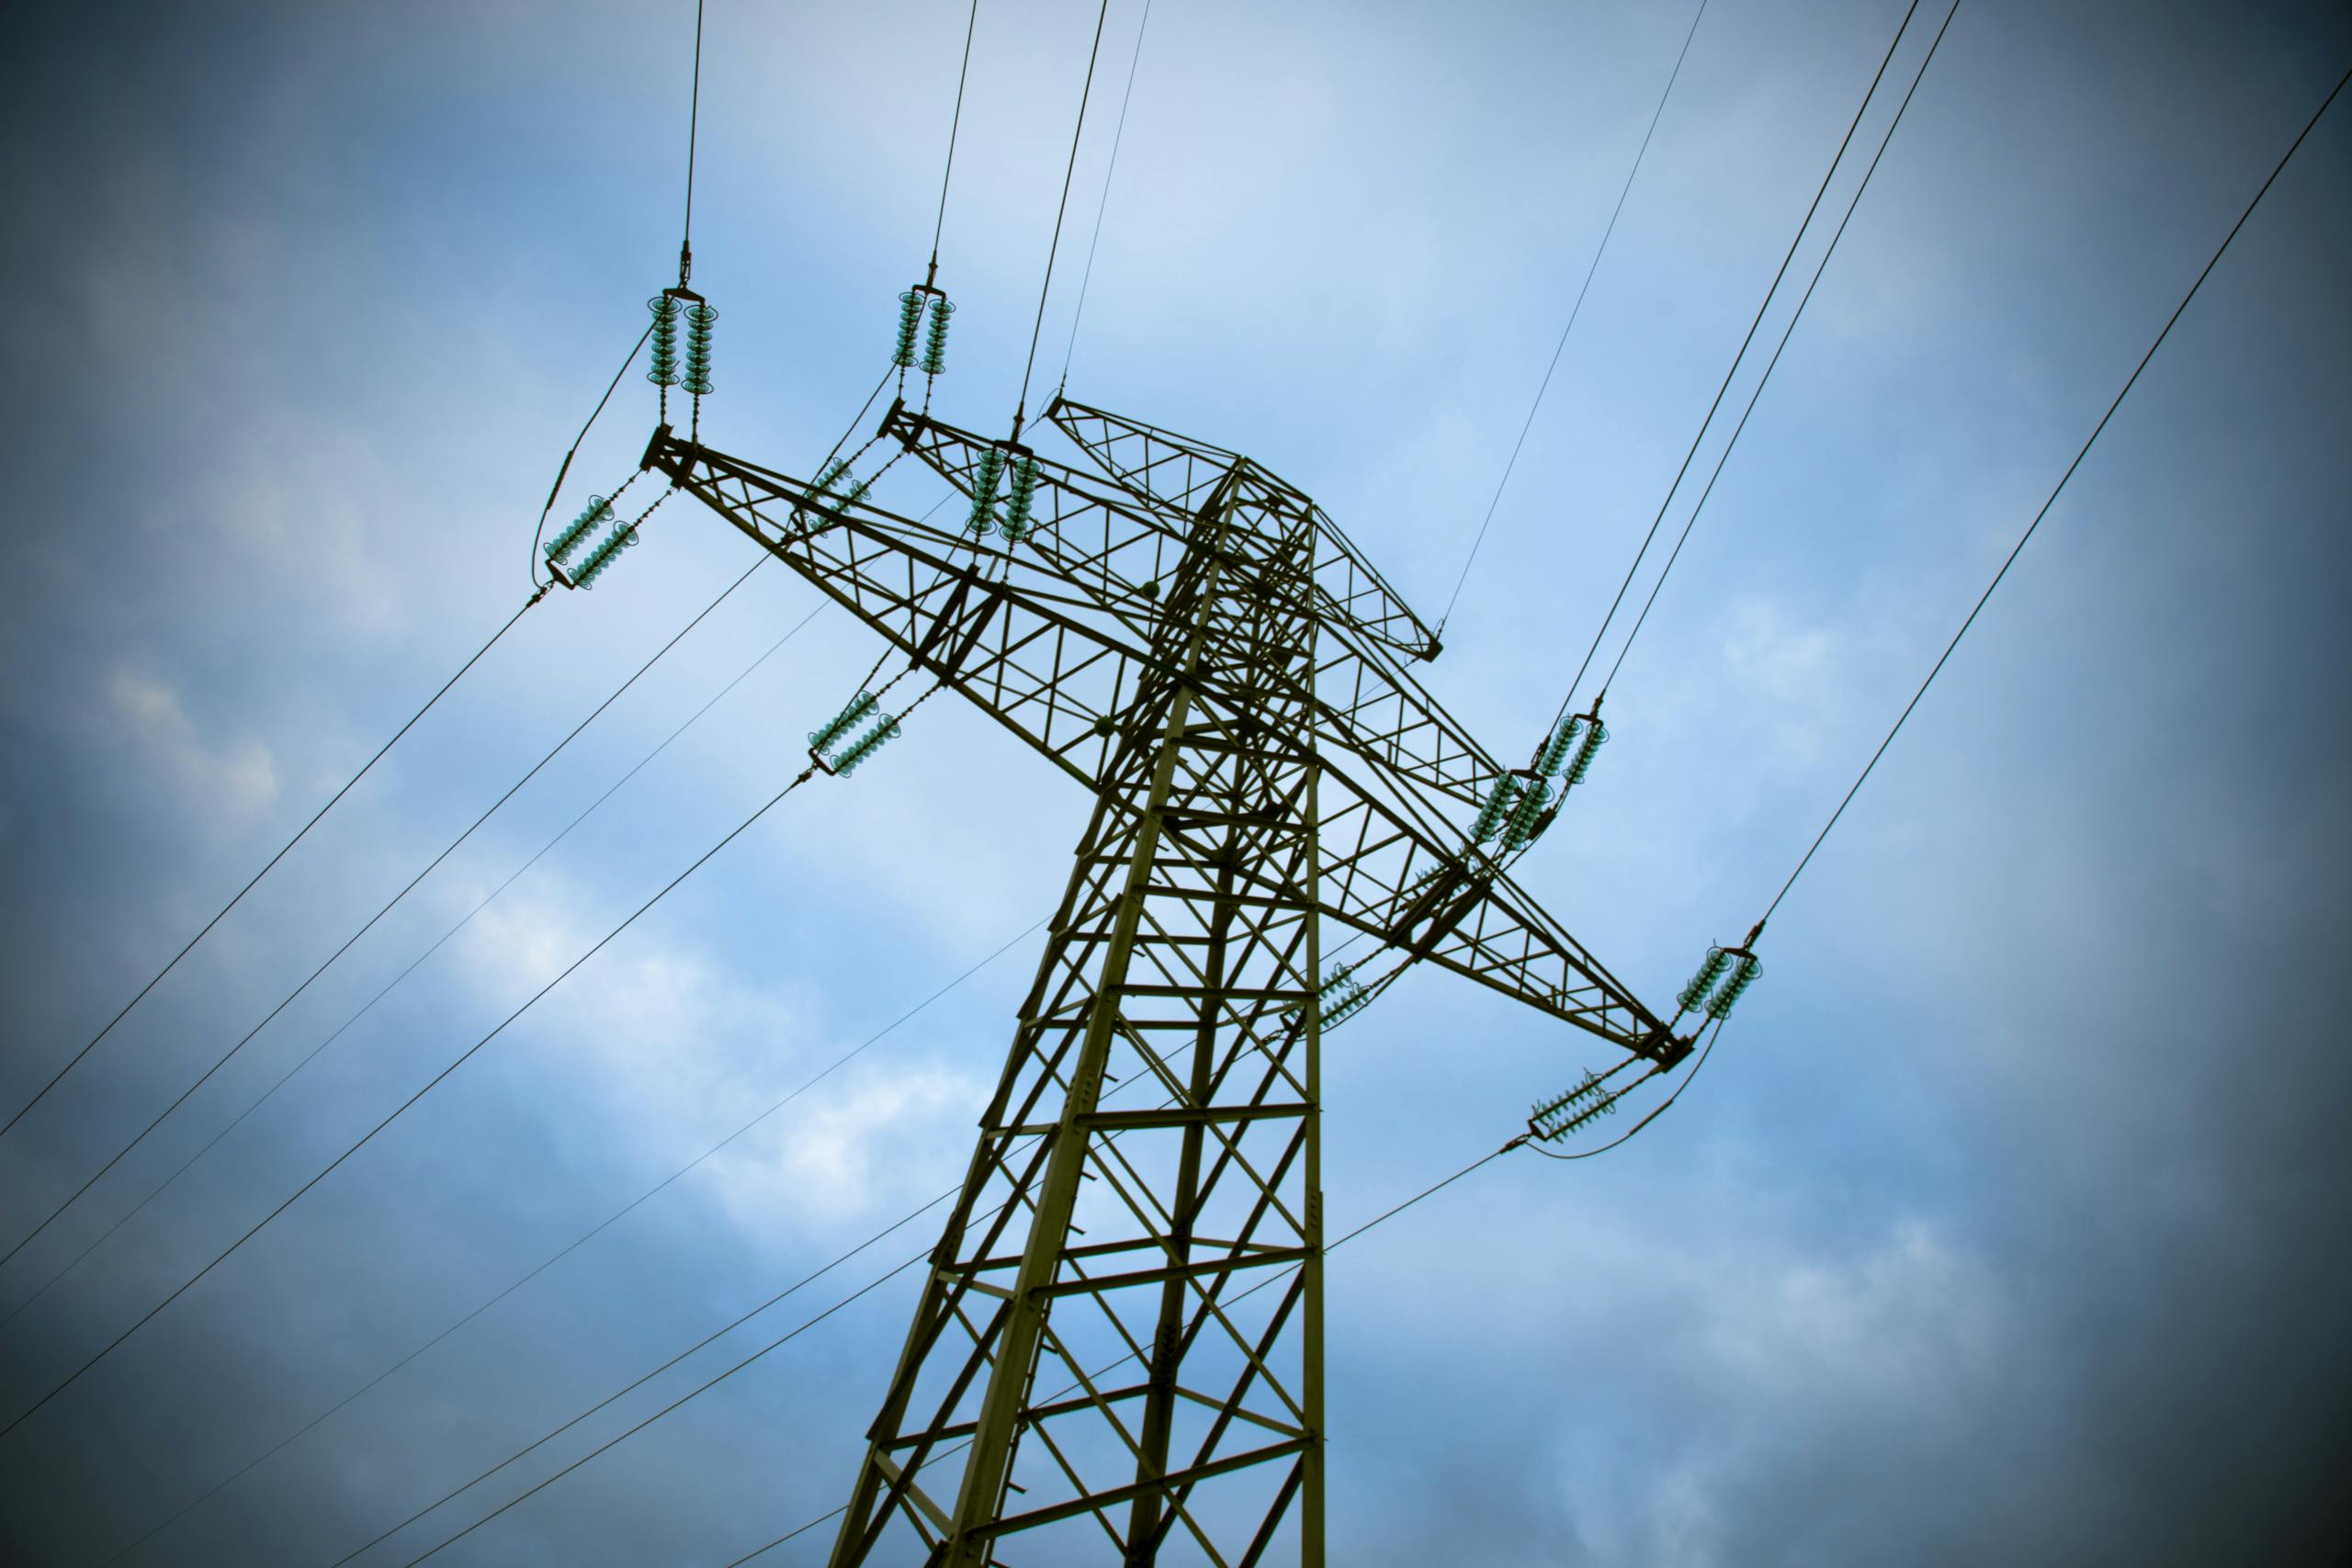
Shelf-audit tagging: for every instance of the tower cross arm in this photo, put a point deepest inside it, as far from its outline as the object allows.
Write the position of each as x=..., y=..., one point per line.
x=1179, y=469
x=1045, y=665
x=1115, y=543
x=1413, y=885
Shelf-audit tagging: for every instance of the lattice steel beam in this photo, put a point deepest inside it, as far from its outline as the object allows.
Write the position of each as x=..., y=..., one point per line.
x=1119, y=1338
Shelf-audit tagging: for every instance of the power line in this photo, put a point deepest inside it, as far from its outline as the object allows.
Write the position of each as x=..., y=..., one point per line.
x=564, y=467
x=694, y=125
x=350, y=942
x=1102, y=205
x=272, y=861
x=2019, y=548
x=1239, y=1296
x=586, y=1236
x=705, y=1340
x=1786, y=332
x=149, y=1316
x=954, y=125
x=1574, y=311
x=1764, y=305
x=512, y=877
x=403, y=893
x=1661, y=1109
x=1022, y=407
x=715, y=1335
x=777, y=1343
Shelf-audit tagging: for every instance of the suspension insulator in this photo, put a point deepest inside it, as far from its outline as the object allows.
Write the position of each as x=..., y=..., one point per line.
x=560, y=548
x=902, y=354
x=834, y=728
x=1355, y=1001
x=1555, y=1118
x=935, y=348
x=611, y=544
x=1555, y=749
x=820, y=497
x=1341, y=978
x=1720, y=1006
x=1016, y=525
x=1534, y=795
x=1595, y=734
x=663, y=369
x=984, y=483
x=700, y=321
x=1498, y=801
x=885, y=730
x=1711, y=971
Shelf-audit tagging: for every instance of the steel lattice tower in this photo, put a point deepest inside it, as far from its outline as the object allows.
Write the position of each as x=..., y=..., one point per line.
x=1117, y=1356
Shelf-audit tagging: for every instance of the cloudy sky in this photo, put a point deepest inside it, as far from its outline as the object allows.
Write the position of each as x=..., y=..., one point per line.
x=2007, y=1222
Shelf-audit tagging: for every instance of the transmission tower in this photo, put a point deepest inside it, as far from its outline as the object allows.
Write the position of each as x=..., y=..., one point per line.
x=1120, y=1337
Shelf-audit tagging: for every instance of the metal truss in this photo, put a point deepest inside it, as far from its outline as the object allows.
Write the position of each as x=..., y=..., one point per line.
x=1117, y=1356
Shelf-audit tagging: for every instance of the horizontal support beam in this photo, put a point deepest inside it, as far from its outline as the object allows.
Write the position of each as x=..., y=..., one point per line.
x=1097, y=1501
x=1177, y=1116
x=1232, y=1263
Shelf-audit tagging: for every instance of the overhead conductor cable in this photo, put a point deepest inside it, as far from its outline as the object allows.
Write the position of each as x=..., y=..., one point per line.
x=1568, y=701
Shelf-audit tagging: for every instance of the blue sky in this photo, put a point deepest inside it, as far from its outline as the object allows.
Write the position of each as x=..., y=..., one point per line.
x=2006, y=1222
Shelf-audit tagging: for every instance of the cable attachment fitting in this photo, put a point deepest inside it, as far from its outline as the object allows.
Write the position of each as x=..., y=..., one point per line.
x=1553, y=1119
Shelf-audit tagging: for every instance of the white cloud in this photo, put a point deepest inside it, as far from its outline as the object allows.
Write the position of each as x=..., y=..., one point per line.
x=1786, y=672
x=222, y=783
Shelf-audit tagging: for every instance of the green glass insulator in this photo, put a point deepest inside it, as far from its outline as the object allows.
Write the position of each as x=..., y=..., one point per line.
x=560, y=548
x=1594, y=735
x=1709, y=971
x=854, y=710
x=1720, y=1006
x=935, y=348
x=902, y=354
x=1490, y=817
x=885, y=730
x=1356, y=1000
x=1024, y=495
x=662, y=371
x=984, y=483
x=1555, y=750
x=1520, y=824
x=1563, y=1113
x=827, y=478
x=620, y=539
x=699, y=320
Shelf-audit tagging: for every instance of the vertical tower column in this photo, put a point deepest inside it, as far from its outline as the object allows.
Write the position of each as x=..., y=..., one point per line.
x=1114, y=1357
